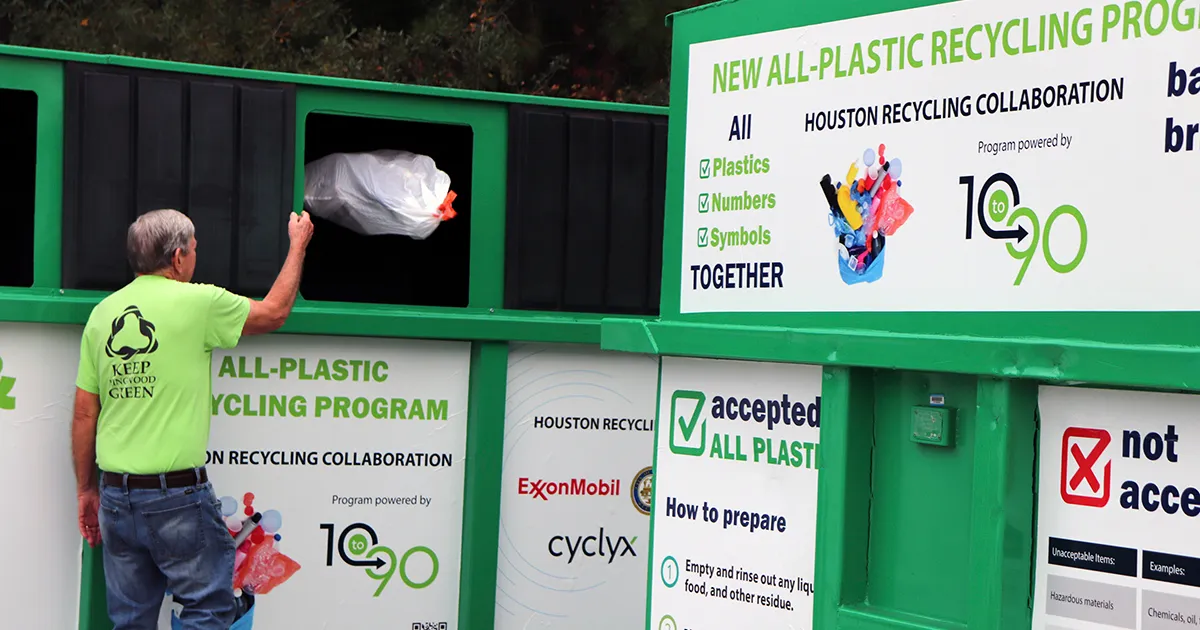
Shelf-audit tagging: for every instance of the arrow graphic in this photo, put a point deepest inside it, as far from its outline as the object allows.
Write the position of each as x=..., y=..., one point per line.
x=1020, y=233
x=376, y=563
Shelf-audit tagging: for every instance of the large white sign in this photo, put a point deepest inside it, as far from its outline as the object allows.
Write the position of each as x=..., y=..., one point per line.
x=1117, y=510
x=971, y=156
x=575, y=505
x=352, y=450
x=40, y=560
x=735, y=503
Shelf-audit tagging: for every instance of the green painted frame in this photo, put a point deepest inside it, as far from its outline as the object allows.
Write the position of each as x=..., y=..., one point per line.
x=484, y=319
x=1010, y=353
x=489, y=167
x=44, y=78
x=484, y=322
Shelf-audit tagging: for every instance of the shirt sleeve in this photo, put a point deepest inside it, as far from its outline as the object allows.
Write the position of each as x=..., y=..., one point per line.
x=227, y=313
x=87, y=378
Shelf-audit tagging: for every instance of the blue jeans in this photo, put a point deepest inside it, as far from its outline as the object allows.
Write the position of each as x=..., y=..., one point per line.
x=168, y=538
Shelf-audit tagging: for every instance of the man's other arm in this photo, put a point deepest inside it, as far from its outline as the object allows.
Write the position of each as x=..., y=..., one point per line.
x=269, y=314
x=83, y=439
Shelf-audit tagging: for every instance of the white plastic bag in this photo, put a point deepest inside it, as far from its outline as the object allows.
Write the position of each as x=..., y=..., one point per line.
x=381, y=192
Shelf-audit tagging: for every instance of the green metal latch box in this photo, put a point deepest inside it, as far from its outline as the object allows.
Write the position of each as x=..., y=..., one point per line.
x=932, y=425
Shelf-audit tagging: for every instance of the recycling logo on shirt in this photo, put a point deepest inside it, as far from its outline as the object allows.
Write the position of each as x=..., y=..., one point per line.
x=122, y=326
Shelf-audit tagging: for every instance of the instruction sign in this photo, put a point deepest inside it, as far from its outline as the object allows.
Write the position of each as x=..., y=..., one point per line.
x=40, y=544
x=578, y=480
x=351, y=450
x=958, y=157
x=735, y=505
x=1117, y=510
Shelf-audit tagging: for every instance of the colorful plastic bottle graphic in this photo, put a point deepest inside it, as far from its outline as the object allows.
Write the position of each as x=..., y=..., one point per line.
x=863, y=212
x=259, y=566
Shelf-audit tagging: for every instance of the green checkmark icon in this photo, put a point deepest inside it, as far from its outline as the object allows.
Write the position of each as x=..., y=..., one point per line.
x=686, y=409
x=703, y=203
x=687, y=427
x=705, y=169
x=702, y=237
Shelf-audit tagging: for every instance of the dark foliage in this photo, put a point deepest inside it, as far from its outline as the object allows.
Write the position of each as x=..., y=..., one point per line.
x=616, y=50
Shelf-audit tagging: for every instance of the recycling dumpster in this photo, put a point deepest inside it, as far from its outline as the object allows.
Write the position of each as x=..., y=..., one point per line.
x=435, y=439
x=920, y=366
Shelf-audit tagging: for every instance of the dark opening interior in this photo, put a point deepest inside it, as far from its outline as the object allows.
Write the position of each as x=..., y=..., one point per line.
x=18, y=164
x=344, y=266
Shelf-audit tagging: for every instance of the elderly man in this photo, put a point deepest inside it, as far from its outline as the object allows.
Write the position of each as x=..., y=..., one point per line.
x=142, y=404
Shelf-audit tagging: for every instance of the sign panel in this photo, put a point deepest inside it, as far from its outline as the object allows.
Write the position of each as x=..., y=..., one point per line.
x=40, y=556
x=1117, y=508
x=578, y=478
x=735, y=506
x=352, y=451
x=960, y=157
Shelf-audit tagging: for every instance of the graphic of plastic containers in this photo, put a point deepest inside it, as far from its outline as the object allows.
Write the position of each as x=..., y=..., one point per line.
x=872, y=272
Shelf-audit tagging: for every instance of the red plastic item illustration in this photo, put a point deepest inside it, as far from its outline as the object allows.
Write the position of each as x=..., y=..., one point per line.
x=265, y=568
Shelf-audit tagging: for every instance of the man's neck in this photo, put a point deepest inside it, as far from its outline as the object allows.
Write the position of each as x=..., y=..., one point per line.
x=169, y=274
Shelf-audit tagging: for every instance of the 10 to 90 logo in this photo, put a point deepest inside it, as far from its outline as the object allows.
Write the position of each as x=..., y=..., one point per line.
x=358, y=546
x=1004, y=207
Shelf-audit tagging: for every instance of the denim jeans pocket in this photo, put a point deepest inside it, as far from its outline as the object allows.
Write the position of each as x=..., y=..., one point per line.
x=178, y=532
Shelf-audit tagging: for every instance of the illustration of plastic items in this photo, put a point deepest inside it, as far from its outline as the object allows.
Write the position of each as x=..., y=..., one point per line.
x=849, y=208
x=894, y=210
x=872, y=272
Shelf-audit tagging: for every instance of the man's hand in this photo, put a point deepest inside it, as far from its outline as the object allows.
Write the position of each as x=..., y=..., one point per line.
x=300, y=230
x=272, y=312
x=89, y=516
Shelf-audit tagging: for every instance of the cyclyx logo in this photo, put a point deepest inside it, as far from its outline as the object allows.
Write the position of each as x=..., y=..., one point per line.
x=1001, y=205
x=7, y=401
x=541, y=489
x=596, y=546
x=1086, y=471
x=689, y=432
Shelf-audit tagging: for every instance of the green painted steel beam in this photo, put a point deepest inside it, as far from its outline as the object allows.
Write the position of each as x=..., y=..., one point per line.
x=359, y=85
x=1164, y=367
x=481, y=497
x=48, y=307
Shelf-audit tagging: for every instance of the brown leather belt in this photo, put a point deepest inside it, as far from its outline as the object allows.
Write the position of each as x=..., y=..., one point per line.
x=176, y=479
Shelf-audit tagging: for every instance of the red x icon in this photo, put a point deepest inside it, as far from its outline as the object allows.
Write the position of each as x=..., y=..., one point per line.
x=1079, y=484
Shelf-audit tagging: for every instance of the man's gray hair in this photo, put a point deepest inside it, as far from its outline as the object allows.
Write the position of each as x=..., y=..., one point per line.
x=154, y=237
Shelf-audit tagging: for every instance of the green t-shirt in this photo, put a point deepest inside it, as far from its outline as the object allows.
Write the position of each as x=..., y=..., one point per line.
x=147, y=352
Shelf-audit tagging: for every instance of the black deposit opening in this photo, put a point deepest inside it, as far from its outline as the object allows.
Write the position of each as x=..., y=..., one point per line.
x=18, y=162
x=344, y=266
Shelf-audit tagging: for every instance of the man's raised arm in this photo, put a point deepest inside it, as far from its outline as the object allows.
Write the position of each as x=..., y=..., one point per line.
x=269, y=315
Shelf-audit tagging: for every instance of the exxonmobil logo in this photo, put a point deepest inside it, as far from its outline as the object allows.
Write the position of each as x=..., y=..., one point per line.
x=1086, y=473
x=579, y=487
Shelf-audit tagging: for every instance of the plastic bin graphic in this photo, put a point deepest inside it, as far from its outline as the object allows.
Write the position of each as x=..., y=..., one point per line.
x=863, y=212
